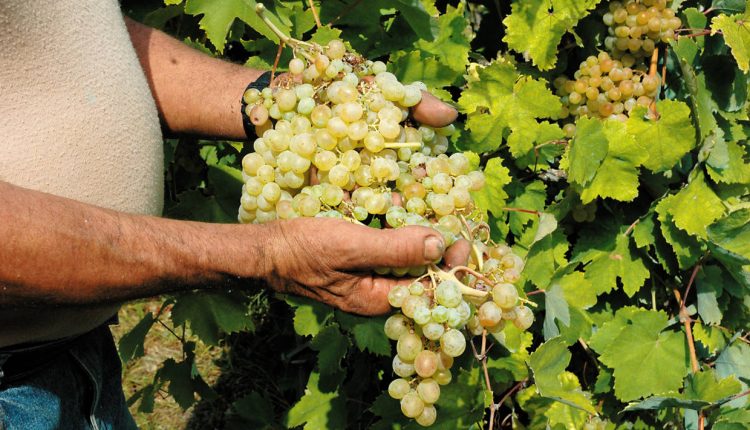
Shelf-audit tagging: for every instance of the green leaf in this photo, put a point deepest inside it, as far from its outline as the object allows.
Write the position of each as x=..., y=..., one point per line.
x=316, y=409
x=579, y=292
x=731, y=235
x=604, y=160
x=414, y=66
x=368, y=332
x=502, y=102
x=555, y=307
x=332, y=347
x=701, y=390
x=194, y=205
x=709, y=285
x=452, y=45
x=212, y=313
x=545, y=257
x=735, y=361
x=700, y=98
x=642, y=348
x=492, y=196
x=727, y=163
x=707, y=386
x=681, y=206
x=131, y=344
x=547, y=364
x=218, y=17
x=686, y=248
x=610, y=255
x=255, y=410
x=736, y=32
x=535, y=27
x=733, y=6
x=309, y=315
x=712, y=338
x=417, y=17
x=669, y=137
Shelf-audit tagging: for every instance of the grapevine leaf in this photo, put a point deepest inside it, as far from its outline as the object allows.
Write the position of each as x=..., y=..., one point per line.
x=309, y=315
x=609, y=255
x=414, y=66
x=735, y=361
x=609, y=330
x=707, y=386
x=332, y=347
x=368, y=332
x=736, y=32
x=555, y=307
x=669, y=137
x=730, y=236
x=681, y=206
x=417, y=17
x=218, y=17
x=604, y=160
x=518, y=343
x=730, y=92
x=194, y=205
x=712, y=338
x=700, y=98
x=547, y=364
x=180, y=380
x=530, y=196
x=131, y=344
x=581, y=327
x=461, y=402
x=686, y=248
x=325, y=34
x=212, y=313
x=503, y=101
x=579, y=292
x=709, y=284
x=255, y=410
x=733, y=6
x=523, y=143
x=535, y=27
x=492, y=196
x=316, y=409
x=642, y=348
x=727, y=163
x=701, y=390
x=545, y=257
x=452, y=45
x=733, y=419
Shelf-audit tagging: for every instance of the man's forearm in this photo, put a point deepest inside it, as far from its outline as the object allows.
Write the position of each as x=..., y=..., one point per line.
x=59, y=251
x=195, y=93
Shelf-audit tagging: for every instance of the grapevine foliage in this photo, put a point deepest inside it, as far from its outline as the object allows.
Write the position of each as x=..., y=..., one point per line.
x=635, y=233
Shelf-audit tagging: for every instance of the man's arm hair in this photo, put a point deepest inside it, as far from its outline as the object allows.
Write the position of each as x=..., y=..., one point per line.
x=195, y=93
x=56, y=251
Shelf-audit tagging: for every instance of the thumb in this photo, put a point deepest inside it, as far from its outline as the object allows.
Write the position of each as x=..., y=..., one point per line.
x=402, y=247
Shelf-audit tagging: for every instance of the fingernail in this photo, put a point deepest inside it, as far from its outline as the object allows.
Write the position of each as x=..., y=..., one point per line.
x=433, y=248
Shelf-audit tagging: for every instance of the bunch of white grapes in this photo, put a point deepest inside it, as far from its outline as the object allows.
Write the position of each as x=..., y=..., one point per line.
x=335, y=140
x=636, y=26
x=605, y=88
x=430, y=329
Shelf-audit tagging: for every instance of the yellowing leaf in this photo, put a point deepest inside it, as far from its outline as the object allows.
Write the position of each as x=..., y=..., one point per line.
x=736, y=31
x=535, y=27
x=695, y=207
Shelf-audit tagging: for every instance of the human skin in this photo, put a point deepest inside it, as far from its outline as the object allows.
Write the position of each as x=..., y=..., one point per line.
x=75, y=255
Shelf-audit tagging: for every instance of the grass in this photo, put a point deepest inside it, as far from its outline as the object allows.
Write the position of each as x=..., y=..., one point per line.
x=160, y=344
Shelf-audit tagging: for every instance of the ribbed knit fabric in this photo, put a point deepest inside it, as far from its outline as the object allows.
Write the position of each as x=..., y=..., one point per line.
x=77, y=118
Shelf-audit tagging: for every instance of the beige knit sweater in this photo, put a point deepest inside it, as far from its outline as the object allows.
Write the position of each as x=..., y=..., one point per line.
x=77, y=118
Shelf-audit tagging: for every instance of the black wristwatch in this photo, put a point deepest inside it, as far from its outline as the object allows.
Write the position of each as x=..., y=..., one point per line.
x=264, y=81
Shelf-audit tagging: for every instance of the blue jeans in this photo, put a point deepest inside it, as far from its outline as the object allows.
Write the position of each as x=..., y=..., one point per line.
x=80, y=389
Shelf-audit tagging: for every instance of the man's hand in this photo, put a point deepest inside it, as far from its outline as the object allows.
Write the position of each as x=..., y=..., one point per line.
x=433, y=112
x=333, y=260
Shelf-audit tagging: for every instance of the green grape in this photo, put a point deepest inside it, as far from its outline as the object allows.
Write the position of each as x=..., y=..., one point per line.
x=398, y=388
